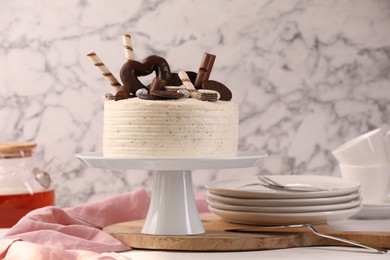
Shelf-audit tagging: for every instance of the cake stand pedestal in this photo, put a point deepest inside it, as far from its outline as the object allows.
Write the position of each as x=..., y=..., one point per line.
x=172, y=210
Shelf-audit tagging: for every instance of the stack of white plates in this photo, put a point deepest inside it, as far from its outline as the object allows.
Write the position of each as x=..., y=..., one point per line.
x=241, y=202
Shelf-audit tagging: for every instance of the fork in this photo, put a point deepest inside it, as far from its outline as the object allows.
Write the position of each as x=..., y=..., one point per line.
x=316, y=232
x=298, y=187
x=295, y=186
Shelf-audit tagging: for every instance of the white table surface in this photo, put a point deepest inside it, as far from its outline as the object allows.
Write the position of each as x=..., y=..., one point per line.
x=322, y=253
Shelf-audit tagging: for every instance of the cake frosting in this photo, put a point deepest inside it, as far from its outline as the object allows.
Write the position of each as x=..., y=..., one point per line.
x=184, y=127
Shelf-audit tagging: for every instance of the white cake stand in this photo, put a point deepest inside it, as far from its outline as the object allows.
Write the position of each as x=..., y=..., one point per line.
x=172, y=209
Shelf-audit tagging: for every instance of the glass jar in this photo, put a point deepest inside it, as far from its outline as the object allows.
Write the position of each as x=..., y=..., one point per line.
x=23, y=185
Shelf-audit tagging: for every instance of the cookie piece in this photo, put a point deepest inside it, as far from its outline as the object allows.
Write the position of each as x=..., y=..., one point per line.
x=226, y=94
x=166, y=94
x=207, y=95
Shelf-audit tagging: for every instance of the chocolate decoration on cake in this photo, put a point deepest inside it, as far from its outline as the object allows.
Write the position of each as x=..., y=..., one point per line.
x=141, y=91
x=123, y=92
x=157, y=84
x=207, y=95
x=149, y=97
x=186, y=81
x=110, y=96
x=165, y=85
x=173, y=88
x=185, y=92
x=192, y=75
x=133, y=69
x=103, y=69
x=204, y=69
x=167, y=94
x=175, y=80
x=226, y=94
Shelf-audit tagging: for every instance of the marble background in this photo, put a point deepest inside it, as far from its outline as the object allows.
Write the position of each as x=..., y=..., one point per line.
x=308, y=75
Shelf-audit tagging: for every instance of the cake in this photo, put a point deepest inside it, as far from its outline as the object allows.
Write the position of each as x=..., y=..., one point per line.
x=181, y=114
x=136, y=127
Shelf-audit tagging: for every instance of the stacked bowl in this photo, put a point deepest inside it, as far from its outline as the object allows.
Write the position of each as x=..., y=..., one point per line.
x=365, y=159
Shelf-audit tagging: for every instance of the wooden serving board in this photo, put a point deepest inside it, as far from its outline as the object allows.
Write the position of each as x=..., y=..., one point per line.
x=217, y=238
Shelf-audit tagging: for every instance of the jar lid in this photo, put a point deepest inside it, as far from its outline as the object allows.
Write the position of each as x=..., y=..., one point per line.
x=16, y=149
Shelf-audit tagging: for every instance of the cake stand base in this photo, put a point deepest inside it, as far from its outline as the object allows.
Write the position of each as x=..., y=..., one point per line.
x=172, y=209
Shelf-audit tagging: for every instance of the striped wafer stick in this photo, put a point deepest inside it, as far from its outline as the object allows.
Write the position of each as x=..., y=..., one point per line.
x=103, y=69
x=128, y=45
x=186, y=81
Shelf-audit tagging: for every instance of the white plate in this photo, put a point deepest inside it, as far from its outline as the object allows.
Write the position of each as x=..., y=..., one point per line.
x=256, y=218
x=296, y=209
x=237, y=187
x=242, y=160
x=284, y=202
x=374, y=211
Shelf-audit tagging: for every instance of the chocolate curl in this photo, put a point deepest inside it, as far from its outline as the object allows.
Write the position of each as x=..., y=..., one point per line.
x=103, y=69
x=128, y=46
x=157, y=84
x=204, y=69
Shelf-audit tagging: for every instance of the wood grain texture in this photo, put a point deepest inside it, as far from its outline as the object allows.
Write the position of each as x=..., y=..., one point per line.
x=217, y=239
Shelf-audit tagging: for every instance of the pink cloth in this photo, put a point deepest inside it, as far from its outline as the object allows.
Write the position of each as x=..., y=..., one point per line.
x=74, y=233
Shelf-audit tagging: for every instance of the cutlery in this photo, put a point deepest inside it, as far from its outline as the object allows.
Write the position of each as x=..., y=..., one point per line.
x=314, y=231
x=299, y=187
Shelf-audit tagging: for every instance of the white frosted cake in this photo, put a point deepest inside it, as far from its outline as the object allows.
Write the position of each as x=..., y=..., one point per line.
x=182, y=114
x=184, y=127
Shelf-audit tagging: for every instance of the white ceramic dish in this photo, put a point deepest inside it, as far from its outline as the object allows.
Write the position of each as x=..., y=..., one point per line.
x=242, y=160
x=288, y=209
x=257, y=218
x=374, y=211
x=284, y=202
x=238, y=187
